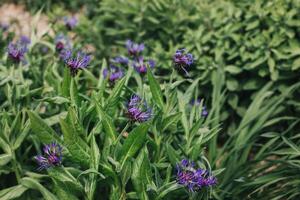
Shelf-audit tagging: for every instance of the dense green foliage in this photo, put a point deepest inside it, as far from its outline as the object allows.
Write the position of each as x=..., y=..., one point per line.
x=247, y=70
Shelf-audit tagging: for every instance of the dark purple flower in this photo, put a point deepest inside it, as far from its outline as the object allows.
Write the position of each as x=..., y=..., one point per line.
x=62, y=42
x=52, y=156
x=113, y=73
x=75, y=60
x=4, y=26
x=16, y=51
x=140, y=65
x=193, y=179
x=137, y=110
x=134, y=48
x=182, y=59
x=70, y=22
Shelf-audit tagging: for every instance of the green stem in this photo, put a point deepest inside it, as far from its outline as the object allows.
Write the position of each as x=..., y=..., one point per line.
x=15, y=167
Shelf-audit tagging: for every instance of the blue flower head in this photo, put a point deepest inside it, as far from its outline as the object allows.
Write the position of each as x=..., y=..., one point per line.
x=52, y=156
x=138, y=110
x=182, y=60
x=192, y=178
x=16, y=51
x=75, y=60
x=113, y=73
x=134, y=49
x=140, y=65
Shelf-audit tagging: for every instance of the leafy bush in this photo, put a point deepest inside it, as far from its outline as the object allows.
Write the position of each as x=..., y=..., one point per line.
x=105, y=143
x=252, y=42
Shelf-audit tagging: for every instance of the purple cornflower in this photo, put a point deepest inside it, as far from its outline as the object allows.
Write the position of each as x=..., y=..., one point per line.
x=134, y=48
x=62, y=42
x=197, y=102
x=70, y=22
x=120, y=60
x=193, y=179
x=141, y=66
x=16, y=51
x=137, y=110
x=113, y=73
x=52, y=156
x=75, y=60
x=182, y=59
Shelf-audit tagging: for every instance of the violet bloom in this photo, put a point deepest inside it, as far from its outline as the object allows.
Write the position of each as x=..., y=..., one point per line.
x=140, y=65
x=182, y=59
x=193, y=179
x=52, y=156
x=113, y=73
x=120, y=60
x=62, y=42
x=137, y=110
x=134, y=48
x=70, y=22
x=16, y=51
x=75, y=60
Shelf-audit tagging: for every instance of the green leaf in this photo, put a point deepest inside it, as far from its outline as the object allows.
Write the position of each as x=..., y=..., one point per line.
x=133, y=143
x=65, y=88
x=168, y=121
x=233, y=69
x=296, y=64
x=33, y=184
x=12, y=192
x=155, y=89
x=59, y=174
x=141, y=174
x=4, y=159
x=44, y=132
x=115, y=95
x=107, y=122
x=77, y=147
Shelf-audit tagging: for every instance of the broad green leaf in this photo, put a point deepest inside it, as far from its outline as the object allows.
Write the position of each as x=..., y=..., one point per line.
x=76, y=146
x=133, y=143
x=12, y=192
x=34, y=184
x=44, y=132
x=4, y=159
x=155, y=89
x=107, y=122
x=141, y=174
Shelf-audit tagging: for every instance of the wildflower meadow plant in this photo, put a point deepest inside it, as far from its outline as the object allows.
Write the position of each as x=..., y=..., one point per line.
x=113, y=73
x=134, y=49
x=140, y=65
x=75, y=60
x=52, y=156
x=183, y=60
x=16, y=51
x=193, y=178
x=138, y=110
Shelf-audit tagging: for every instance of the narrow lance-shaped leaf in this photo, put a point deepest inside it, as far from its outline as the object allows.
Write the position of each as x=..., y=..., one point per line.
x=44, y=132
x=133, y=143
x=155, y=89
